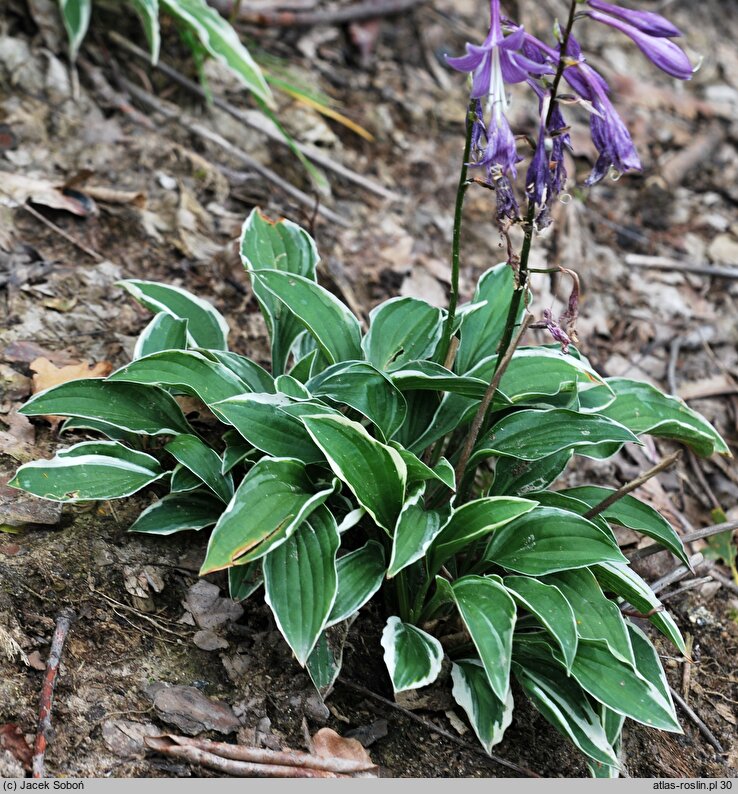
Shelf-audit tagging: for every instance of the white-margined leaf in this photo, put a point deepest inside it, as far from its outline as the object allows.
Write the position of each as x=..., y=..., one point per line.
x=76, y=18
x=249, y=372
x=164, y=332
x=177, y=512
x=244, y=580
x=415, y=531
x=148, y=12
x=412, y=656
x=184, y=480
x=202, y=461
x=360, y=575
x=521, y=477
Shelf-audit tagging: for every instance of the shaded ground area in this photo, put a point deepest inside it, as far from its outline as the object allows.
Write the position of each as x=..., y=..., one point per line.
x=168, y=206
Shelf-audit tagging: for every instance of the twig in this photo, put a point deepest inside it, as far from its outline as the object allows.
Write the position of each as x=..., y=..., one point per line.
x=674, y=349
x=677, y=574
x=158, y=105
x=703, y=729
x=294, y=758
x=668, y=461
x=46, y=701
x=471, y=439
x=689, y=537
x=230, y=767
x=690, y=585
x=357, y=12
x=687, y=669
x=666, y=263
x=428, y=725
x=68, y=237
x=258, y=122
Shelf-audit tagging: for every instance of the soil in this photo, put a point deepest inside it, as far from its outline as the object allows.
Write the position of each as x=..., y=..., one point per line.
x=58, y=299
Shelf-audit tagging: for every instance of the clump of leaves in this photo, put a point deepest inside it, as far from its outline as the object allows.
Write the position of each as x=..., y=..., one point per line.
x=333, y=478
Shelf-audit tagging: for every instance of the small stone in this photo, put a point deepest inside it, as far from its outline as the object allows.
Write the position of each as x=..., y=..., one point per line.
x=724, y=250
x=208, y=640
x=191, y=711
x=126, y=738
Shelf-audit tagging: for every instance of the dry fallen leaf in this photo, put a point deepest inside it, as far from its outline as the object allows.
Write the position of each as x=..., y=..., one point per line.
x=13, y=740
x=48, y=374
x=41, y=191
x=328, y=744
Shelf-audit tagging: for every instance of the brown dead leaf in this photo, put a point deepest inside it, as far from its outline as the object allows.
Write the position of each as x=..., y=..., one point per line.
x=328, y=744
x=23, y=351
x=48, y=374
x=41, y=191
x=13, y=740
x=727, y=713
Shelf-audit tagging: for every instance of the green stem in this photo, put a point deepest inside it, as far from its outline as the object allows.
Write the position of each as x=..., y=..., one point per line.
x=456, y=244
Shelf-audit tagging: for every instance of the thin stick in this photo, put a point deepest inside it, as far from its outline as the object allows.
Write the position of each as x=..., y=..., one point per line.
x=690, y=585
x=689, y=537
x=257, y=122
x=624, y=490
x=46, y=701
x=428, y=725
x=238, y=752
x=665, y=263
x=703, y=729
x=158, y=105
x=687, y=669
x=68, y=237
x=368, y=9
x=471, y=439
x=677, y=574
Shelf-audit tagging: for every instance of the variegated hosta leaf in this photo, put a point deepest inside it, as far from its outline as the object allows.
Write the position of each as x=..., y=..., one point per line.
x=206, y=326
x=185, y=370
x=76, y=18
x=221, y=41
x=164, y=332
x=244, y=580
x=489, y=614
x=177, y=512
x=301, y=582
x=415, y=531
x=521, y=477
x=89, y=471
x=401, y=330
x=374, y=472
x=360, y=575
x=418, y=472
x=412, y=656
x=272, y=500
x=488, y=715
x=551, y=608
x=277, y=245
x=129, y=406
x=256, y=378
x=324, y=663
x=613, y=725
x=148, y=12
x=204, y=462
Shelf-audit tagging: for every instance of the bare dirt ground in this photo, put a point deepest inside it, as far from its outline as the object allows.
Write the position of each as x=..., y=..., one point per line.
x=168, y=206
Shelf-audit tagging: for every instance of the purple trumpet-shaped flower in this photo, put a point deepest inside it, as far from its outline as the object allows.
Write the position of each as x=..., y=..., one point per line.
x=547, y=171
x=662, y=52
x=646, y=21
x=612, y=140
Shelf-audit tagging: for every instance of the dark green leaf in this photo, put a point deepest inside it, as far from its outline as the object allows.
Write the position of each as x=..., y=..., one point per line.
x=415, y=531
x=177, y=512
x=413, y=658
x=256, y=378
x=244, y=580
x=164, y=332
x=360, y=575
x=521, y=477
x=202, y=461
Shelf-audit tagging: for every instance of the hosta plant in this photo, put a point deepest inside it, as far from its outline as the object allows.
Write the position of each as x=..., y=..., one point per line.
x=419, y=458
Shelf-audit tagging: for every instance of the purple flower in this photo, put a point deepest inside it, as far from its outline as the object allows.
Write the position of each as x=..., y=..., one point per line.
x=612, y=140
x=547, y=172
x=662, y=52
x=646, y=21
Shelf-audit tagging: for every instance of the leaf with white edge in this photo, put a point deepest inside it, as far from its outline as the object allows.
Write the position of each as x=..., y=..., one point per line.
x=566, y=502
x=644, y=409
x=621, y=688
x=129, y=406
x=286, y=384
x=89, y=471
x=481, y=331
x=184, y=370
x=76, y=18
x=562, y=702
x=521, y=477
x=260, y=420
x=473, y=521
x=324, y=663
x=622, y=580
x=531, y=434
x=206, y=326
x=613, y=725
x=329, y=321
x=649, y=665
x=548, y=540
x=415, y=531
x=632, y=513
x=401, y=330
x=489, y=716
x=148, y=12
x=550, y=607
x=244, y=580
x=247, y=371
x=351, y=519
x=236, y=451
x=177, y=512
x=301, y=582
x=272, y=500
x=429, y=376
x=488, y=612
x=184, y=480
x=221, y=41
x=164, y=332
x=375, y=473
x=364, y=388
x=417, y=471
x=413, y=658
x=202, y=461
x=598, y=618
x=277, y=245
x=360, y=575
x=111, y=431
